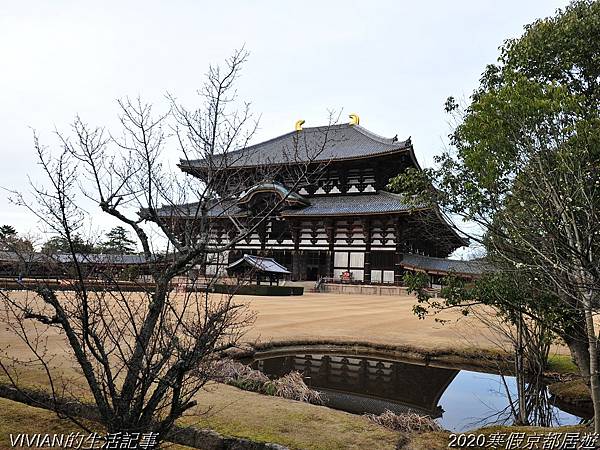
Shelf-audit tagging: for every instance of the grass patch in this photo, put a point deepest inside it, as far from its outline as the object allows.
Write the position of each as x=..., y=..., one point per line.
x=439, y=440
x=290, y=386
x=298, y=425
x=572, y=391
x=435, y=440
x=234, y=412
x=18, y=418
x=562, y=364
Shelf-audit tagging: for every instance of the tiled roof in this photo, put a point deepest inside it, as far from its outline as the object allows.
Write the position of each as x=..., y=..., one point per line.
x=325, y=143
x=260, y=263
x=442, y=265
x=282, y=191
x=91, y=258
x=380, y=203
x=192, y=210
x=28, y=257
x=100, y=258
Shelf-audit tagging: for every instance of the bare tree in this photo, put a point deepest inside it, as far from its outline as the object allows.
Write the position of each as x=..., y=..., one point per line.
x=145, y=355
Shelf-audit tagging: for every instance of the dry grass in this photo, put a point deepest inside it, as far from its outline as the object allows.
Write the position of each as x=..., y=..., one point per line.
x=293, y=387
x=573, y=391
x=290, y=386
x=385, y=320
x=405, y=423
x=230, y=371
x=298, y=425
x=18, y=418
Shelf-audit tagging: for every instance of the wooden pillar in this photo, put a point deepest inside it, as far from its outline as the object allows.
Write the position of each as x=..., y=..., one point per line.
x=262, y=236
x=231, y=235
x=363, y=373
x=330, y=230
x=398, y=254
x=295, y=227
x=343, y=182
x=367, y=233
x=325, y=368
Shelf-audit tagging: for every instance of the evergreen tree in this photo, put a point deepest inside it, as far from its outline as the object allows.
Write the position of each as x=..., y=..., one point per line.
x=59, y=244
x=11, y=242
x=7, y=230
x=118, y=242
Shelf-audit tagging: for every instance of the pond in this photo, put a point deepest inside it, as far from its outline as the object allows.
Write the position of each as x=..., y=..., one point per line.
x=459, y=399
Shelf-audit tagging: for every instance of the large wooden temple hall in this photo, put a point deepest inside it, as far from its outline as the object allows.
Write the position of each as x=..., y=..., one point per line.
x=333, y=216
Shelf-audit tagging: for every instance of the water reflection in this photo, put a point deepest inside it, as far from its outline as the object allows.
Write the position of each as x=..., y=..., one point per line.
x=357, y=384
x=475, y=399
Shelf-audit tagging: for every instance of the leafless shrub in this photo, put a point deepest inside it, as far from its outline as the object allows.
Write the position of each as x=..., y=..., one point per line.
x=290, y=386
x=407, y=422
x=230, y=371
x=293, y=387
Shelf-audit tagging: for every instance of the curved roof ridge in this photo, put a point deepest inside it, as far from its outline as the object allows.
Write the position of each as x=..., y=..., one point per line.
x=401, y=196
x=275, y=139
x=333, y=142
x=379, y=138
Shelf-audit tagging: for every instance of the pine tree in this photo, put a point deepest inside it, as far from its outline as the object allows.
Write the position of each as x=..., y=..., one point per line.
x=118, y=242
x=6, y=231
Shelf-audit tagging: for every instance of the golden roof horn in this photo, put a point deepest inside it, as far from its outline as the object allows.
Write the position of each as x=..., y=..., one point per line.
x=354, y=119
x=299, y=124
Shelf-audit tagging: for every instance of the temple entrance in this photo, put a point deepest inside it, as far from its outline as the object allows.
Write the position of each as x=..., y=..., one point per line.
x=316, y=265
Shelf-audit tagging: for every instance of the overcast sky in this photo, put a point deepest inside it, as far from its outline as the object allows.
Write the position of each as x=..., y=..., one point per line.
x=392, y=62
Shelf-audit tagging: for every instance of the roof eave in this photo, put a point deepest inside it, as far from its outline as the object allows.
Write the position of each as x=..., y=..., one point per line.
x=190, y=168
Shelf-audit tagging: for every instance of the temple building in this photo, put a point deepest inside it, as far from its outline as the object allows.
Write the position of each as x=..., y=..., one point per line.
x=331, y=215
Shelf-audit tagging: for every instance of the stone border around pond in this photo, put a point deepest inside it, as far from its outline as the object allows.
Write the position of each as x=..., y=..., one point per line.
x=478, y=360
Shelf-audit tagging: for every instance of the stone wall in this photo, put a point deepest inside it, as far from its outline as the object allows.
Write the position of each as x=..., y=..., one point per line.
x=366, y=289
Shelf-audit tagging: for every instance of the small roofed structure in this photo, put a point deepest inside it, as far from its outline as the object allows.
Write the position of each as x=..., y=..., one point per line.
x=259, y=268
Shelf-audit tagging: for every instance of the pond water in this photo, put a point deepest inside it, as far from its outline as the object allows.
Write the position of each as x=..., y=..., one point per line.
x=459, y=399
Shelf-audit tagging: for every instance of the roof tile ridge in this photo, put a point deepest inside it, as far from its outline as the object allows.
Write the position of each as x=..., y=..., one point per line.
x=382, y=139
x=271, y=140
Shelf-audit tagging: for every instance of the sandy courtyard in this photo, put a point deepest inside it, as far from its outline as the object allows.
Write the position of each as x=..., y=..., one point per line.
x=338, y=317
x=371, y=318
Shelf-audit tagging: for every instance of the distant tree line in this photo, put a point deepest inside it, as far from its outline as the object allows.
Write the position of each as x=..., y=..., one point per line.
x=116, y=241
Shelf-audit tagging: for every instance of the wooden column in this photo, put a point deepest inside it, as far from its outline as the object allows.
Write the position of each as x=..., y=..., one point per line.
x=262, y=236
x=367, y=233
x=330, y=230
x=343, y=182
x=295, y=227
x=231, y=235
x=399, y=253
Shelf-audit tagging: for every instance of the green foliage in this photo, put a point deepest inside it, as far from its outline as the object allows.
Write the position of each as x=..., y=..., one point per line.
x=7, y=230
x=509, y=293
x=11, y=242
x=454, y=293
x=59, y=244
x=416, y=183
x=543, y=95
x=561, y=364
x=524, y=164
x=118, y=242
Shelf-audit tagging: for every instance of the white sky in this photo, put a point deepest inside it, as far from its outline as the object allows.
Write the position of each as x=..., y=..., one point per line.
x=392, y=62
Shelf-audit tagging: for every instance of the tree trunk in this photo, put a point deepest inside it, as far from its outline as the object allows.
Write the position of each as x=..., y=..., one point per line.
x=520, y=374
x=577, y=341
x=593, y=351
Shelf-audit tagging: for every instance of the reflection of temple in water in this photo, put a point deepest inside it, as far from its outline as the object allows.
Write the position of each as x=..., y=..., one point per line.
x=367, y=385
